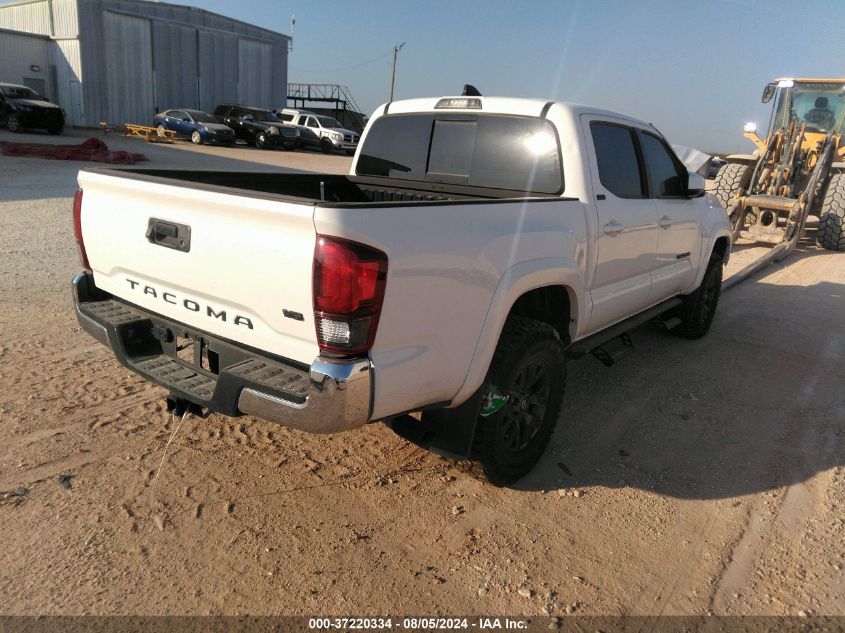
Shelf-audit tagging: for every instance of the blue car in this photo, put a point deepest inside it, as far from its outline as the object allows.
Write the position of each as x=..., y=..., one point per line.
x=196, y=125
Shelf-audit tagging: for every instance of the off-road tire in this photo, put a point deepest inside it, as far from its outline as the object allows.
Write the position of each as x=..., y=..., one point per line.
x=260, y=140
x=196, y=137
x=13, y=123
x=699, y=308
x=729, y=180
x=524, y=347
x=326, y=146
x=831, y=233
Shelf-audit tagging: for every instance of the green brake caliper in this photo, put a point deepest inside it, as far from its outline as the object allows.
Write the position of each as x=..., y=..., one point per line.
x=493, y=401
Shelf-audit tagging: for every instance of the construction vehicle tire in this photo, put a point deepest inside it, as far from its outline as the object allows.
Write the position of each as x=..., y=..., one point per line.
x=831, y=233
x=729, y=180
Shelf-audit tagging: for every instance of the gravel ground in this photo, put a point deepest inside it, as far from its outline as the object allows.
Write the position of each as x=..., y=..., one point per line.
x=692, y=478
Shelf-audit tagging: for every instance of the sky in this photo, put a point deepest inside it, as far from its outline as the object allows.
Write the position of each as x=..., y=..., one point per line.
x=693, y=68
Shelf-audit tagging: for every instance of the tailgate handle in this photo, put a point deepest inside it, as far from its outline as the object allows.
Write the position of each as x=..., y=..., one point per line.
x=169, y=234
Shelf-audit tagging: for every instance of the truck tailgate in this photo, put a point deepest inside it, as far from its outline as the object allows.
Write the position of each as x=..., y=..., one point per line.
x=243, y=272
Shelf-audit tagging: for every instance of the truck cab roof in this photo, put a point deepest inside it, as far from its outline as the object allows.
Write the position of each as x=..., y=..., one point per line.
x=499, y=105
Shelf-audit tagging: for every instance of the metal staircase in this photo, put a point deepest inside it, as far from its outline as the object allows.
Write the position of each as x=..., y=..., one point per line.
x=340, y=103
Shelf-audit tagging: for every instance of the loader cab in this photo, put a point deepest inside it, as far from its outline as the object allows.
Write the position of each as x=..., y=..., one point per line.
x=819, y=104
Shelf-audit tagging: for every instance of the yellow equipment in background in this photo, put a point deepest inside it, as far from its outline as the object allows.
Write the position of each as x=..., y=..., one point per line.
x=797, y=171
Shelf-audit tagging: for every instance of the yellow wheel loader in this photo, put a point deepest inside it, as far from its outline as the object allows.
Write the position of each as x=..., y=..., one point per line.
x=797, y=171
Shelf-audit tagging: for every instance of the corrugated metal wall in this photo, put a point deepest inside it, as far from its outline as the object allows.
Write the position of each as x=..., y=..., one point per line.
x=218, y=56
x=19, y=53
x=255, y=73
x=175, y=66
x=30, y=17
x=129, y=69
x=67, y=59
x=65, y=19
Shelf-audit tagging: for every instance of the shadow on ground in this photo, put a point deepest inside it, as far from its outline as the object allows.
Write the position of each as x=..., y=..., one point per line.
x=756, y=405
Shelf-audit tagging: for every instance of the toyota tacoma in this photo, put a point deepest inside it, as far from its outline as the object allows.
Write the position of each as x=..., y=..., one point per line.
x=476, y=244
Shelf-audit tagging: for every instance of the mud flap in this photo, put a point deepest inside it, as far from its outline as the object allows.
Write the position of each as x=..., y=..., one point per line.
x=447, y=432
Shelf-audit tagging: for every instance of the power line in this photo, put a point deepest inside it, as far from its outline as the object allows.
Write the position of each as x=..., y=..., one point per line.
x=332, y=70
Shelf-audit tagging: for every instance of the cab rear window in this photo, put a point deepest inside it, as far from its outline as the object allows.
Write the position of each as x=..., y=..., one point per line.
x=485, y=150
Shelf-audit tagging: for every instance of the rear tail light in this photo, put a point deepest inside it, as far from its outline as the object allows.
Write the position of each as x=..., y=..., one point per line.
x=77, y=228
x=349, y=280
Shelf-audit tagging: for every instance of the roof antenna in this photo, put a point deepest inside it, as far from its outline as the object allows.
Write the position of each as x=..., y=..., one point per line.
x=470, y=91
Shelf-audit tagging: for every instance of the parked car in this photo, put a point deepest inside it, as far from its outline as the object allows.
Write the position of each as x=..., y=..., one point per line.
x=476, y=244
x=317, y=130
x=21, y=107
x=258, y=126
x=714, y=165
x=196, y=125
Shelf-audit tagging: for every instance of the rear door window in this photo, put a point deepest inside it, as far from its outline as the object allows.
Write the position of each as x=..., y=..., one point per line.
x=664, y=174
x=617, y=160
x=491, y=151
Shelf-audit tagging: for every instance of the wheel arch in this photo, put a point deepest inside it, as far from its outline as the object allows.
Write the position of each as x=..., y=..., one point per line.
x=548, y=290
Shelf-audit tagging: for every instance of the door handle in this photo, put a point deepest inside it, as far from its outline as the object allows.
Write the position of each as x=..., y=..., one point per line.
x=613, y=228
x=665, y=222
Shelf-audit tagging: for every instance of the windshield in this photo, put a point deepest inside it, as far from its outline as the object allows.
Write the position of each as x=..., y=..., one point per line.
x=327, y=121
x=495, y=151
x=819, y=105
x=202, y=117
x=20, y=92
x=264, y=115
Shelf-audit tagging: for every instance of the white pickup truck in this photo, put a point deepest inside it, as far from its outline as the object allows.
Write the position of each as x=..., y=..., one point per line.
x=475, y=245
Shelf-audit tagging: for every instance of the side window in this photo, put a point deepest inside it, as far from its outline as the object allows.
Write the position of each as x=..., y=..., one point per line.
x=311, y=122
x=285, y=117
x=616, y=155
x=664, y=175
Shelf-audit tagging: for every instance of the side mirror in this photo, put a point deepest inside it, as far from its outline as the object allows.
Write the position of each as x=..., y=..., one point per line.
x=695, y=185
x=769, y=92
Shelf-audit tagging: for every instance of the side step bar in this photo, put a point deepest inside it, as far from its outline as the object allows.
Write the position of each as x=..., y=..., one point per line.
x=587, y=345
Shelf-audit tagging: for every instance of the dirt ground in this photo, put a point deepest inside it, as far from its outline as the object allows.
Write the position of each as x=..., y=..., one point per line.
x=691, y=478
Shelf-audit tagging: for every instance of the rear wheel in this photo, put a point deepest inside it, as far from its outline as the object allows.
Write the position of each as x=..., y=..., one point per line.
x=699, y=308
x=196, y=137
x=161, y=130
x=260, y=140
x=13, y=123
x=529, y=372
x=831, y=233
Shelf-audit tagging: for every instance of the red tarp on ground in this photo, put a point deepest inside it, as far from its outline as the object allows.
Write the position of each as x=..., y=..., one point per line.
x=93, y=149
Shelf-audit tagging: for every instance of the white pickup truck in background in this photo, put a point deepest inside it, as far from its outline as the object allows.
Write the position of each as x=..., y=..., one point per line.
x=475, y=245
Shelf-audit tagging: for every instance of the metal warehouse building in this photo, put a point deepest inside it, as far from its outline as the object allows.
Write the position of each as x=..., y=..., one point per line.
x=122, y=61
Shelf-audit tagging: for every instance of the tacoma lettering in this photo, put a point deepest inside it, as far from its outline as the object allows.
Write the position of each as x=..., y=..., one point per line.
x=190, y=304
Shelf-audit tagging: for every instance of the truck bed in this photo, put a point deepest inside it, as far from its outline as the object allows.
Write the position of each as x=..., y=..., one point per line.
x=329, y=189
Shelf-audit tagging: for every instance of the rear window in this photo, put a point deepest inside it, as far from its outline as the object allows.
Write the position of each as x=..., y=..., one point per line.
x=492, y=151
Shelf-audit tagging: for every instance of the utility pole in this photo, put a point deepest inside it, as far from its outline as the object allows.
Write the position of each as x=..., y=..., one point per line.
x=396, y=50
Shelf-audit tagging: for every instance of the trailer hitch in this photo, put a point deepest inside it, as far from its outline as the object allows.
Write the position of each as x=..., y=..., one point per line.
x=177, y=406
